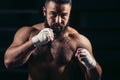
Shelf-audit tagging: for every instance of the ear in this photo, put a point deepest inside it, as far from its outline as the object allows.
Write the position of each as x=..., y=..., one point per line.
x=44, y=11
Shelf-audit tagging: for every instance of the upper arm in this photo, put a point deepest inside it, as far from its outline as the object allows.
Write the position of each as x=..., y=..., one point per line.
x=21, y=36
x=81, y=41
x=84, y=42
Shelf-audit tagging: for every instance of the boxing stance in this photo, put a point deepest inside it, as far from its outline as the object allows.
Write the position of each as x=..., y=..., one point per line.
x=51, y=48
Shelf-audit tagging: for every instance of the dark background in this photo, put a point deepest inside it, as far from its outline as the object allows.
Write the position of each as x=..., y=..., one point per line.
x=99, y=20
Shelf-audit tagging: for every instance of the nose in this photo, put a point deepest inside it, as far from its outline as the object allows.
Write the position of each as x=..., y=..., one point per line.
x=58, y=19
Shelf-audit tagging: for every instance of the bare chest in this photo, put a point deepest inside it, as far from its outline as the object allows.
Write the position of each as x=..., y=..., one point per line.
x=59, y=52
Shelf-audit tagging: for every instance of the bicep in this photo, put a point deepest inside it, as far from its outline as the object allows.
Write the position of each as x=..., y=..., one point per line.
x=84, y=42
x=81, y=41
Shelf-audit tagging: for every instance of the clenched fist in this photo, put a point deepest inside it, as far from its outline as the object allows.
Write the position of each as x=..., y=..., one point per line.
x=43, y=37
x=85, y=58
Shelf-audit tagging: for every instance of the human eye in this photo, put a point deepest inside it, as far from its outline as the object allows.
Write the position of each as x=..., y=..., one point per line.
x=53, y=14
x=64, y=15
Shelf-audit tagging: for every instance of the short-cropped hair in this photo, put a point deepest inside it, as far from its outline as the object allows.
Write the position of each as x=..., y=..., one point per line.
x=59, y=2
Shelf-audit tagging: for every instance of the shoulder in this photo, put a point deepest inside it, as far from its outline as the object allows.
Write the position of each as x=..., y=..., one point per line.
x=24, y=30
x=76, y=35
x=71, y=30
x=39, y=26
x=80, y=40
x=23, y=34
x=29, y=29
x=73, y=33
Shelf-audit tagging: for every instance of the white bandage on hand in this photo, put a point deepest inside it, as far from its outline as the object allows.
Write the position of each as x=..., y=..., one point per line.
x=85, y=58
x=43, y=37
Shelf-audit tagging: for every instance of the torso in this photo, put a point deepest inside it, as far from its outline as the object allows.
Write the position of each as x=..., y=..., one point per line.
x=52, y=61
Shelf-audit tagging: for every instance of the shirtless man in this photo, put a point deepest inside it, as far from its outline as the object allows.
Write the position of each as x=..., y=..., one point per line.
x=53, y=47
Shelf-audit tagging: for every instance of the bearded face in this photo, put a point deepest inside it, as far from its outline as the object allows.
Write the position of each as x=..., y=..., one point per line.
x=58, y=28
x=57, y=16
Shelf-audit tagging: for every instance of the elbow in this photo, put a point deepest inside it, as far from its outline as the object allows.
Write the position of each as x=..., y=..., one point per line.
x=8, y=63
x=7, y=60
x=101, y=71
x=11, y=63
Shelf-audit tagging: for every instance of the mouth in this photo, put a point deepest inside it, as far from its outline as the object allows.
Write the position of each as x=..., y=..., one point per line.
x=57, y=30
x=56, y=27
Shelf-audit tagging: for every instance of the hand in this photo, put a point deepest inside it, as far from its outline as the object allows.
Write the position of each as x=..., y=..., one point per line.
x=85, y=58
x=43, y=37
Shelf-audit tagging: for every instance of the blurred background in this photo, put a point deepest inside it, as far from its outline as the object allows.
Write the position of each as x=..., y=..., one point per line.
x=99, y=20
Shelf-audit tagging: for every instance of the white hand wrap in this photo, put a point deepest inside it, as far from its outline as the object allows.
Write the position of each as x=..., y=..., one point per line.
x=43, y=37
x=85, y=58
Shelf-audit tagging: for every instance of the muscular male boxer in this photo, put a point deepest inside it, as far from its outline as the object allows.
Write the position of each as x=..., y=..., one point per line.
x=53, y=47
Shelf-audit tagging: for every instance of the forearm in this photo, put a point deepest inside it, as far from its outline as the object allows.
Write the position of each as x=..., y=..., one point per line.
x=94, y=73
x=18, y=55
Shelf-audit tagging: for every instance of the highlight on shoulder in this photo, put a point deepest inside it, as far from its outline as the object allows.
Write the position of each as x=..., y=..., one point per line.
x=39, y=26
x=73, y=33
